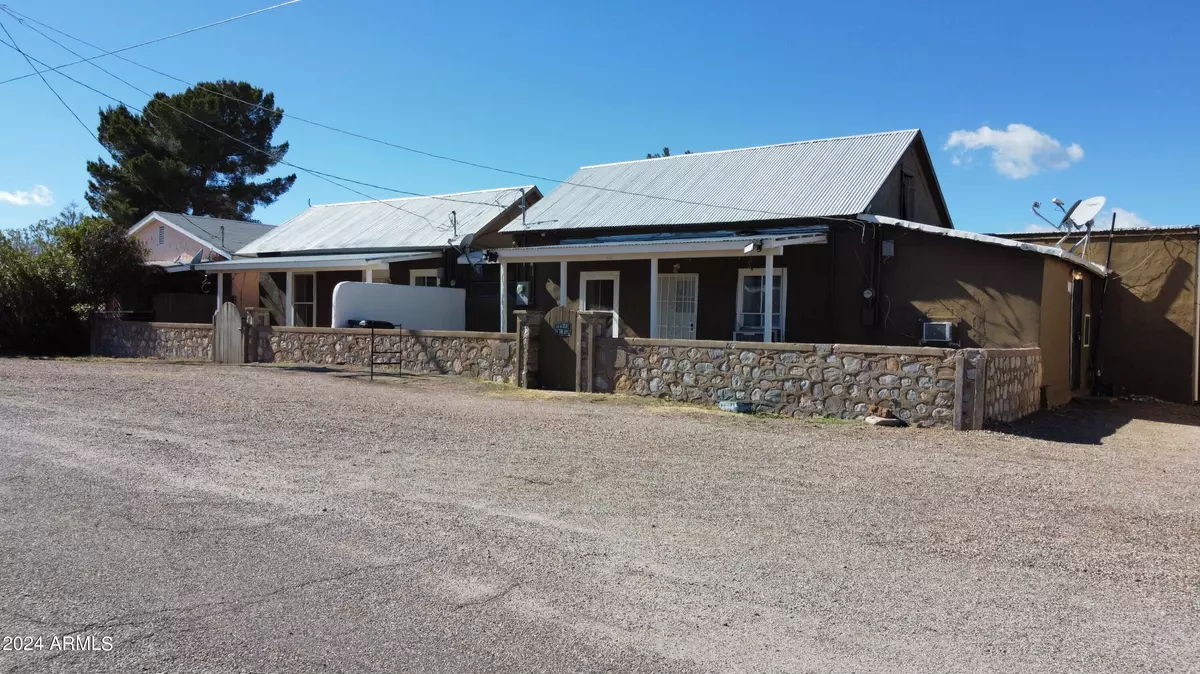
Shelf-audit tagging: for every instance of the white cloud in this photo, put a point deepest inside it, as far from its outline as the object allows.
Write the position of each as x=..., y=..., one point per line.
x=1018, y=151
x=38, y=195
x=1125, y=219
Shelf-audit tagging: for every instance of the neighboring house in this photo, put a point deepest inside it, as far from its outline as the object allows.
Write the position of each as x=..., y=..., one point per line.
x=171, y=241
x=415, y=240
x=680, y=247
x=1147, y=340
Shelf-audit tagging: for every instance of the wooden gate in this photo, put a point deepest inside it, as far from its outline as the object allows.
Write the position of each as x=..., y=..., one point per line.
x=229, y=338
x=556, y=350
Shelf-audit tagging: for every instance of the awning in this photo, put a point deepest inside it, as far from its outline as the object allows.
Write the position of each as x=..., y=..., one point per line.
x=345, y=261
x=670, y=245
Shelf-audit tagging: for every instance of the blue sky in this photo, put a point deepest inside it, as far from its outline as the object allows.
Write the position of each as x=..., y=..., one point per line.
x=1105, y=94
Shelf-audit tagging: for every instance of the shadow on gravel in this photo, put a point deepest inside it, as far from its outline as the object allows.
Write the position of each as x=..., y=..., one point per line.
x=341, y=372
x=1089, y=422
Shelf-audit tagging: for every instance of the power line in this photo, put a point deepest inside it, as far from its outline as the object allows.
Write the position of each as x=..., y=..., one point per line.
x=406, y=148
x=147, y=42
x=47, y=83
x=327, y=177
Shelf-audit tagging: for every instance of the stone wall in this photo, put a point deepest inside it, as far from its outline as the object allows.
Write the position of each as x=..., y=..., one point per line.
x=137, y=339
x=1013, y=384
x=484, y=355
x=926, y=387
x=800, y=380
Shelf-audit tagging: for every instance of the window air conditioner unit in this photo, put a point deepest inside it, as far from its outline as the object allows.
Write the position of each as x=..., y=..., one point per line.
x=937, y=332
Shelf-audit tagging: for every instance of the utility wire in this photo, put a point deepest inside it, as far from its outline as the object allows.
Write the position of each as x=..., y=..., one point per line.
x=406, y=148
x=47, y=83
x=147, y=42
x=327, y=177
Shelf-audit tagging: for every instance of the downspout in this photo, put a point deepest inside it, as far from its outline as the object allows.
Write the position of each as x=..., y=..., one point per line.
x=1094, y=352
x=1196, y=327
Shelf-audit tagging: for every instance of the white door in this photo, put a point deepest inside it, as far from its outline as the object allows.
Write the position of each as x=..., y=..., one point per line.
x=677, y=294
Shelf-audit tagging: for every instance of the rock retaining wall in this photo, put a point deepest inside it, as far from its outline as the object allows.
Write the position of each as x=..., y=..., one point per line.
x=484, y=355
x=136, y=339
x=800, y=380
x=1013, y=385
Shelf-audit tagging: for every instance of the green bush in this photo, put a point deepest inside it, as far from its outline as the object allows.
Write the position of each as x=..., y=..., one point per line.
x=55, y=274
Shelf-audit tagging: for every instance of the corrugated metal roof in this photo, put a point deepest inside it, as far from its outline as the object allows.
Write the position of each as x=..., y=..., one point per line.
x=237, y=234
x=342, y=260
x=391, y=224
x=832, y=176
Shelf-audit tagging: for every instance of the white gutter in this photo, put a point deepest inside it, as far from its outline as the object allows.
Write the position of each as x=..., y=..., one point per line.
x=642, y=250
x=1052, y=251
x=316, y=262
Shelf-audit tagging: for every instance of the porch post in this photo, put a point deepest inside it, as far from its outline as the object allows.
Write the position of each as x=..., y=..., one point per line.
x=289, y=292
x=503, y=296
x=653, y=297
x=768, y=296
x=220, y=290
x=562, y=283
x=369, y=275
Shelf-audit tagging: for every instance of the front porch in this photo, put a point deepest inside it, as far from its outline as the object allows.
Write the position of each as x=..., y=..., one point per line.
x=680, y=286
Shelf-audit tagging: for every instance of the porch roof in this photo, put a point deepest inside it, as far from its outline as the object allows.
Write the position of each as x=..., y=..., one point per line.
x=670, y=244
x=348, y=261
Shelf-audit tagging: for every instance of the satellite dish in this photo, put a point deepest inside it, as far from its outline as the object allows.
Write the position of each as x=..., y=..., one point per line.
x=467, y=241
x=1081, y=213
x=198, y=257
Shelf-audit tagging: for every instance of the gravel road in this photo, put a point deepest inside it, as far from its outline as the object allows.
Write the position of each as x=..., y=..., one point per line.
x=266, y=519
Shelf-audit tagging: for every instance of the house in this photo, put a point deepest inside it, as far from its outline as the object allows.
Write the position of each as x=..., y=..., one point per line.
x=1146, y=339
x=171, y=242
x=853, y=232
x=425, y=240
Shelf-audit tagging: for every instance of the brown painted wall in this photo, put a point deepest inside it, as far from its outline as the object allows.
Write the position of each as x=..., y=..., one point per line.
x=1151, y=300
x=1055, y=332
x=925, y=210
x=326, y=280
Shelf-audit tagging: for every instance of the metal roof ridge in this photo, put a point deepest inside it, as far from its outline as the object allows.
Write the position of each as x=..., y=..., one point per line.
x=427, y=196
x=755, y=147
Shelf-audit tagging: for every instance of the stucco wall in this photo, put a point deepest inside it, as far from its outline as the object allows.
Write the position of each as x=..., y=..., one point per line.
x=1055, y=331
x=133, y=339
x=174, y=244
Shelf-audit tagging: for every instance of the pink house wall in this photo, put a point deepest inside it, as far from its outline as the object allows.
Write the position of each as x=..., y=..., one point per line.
x=174, y=244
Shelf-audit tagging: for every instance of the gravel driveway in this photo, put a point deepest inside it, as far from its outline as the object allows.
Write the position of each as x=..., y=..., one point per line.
x=265, y=519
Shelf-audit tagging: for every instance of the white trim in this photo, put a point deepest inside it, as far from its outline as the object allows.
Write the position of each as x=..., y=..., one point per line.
x=1087, y=331
x=615, y=277
x=503, y=297
x=289, y=291
x=769, y=301
x=315, y=263
x=414, y=274
x=164, y=221
x=653, y=297
x=368, y=275
x=1052, y=251
x=777, y=271
x=641, y=250
x=313, y=302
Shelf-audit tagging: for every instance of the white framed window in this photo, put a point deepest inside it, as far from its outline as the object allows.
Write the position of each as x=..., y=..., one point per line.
x=601, y=291
x=162, y=234
x=750, y=296
x=304, y=300
x=1087, y=330
x=423, y=277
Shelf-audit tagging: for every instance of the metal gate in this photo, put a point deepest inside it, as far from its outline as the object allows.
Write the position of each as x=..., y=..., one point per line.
x=229, y=336
x=556, y=350
x=677, y=294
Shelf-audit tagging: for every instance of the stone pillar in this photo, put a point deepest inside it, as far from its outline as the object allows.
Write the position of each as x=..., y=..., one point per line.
x=588, y=329
x=529, y=323
x=970, y=385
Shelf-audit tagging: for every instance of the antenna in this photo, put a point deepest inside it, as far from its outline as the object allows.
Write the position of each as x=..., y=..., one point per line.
x=222, y=237
x=454, y=222
x=522, y=206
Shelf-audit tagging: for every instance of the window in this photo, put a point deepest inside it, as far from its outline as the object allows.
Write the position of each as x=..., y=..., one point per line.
x=162, y=234
x=601, y=291
x=304, y=300
x=750, y=314
x=1087, y=329
x=427, y=278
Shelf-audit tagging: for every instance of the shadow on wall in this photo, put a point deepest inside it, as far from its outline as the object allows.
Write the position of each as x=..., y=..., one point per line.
x=1143, y=349
x=1089, y=423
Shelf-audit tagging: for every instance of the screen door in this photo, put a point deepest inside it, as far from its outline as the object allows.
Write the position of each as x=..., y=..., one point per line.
x=677, y=295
